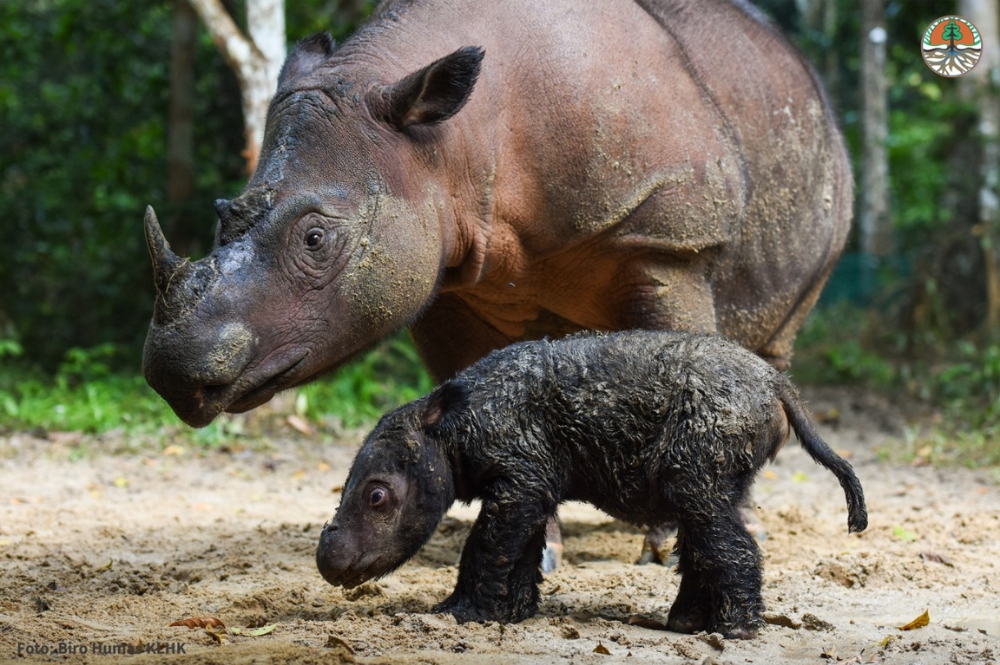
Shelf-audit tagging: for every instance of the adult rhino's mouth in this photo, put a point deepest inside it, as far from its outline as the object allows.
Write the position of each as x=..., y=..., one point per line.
x=262, y=389
x=201, y=407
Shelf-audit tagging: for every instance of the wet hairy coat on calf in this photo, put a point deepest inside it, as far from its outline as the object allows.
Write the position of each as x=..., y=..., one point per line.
x=647, y=426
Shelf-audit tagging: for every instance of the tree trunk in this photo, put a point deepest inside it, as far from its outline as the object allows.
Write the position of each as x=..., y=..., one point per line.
x=831, y=61
x=352, y=11
x=875, y=221
x=180, y=125
x=256, y=59
x=982, y=85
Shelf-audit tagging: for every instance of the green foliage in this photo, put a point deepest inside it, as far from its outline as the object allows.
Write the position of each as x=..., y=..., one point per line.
x=836, y=346
x=32, y=400
x=87, y=395
x=960, y=382
x=361, y=392
x=83, y=99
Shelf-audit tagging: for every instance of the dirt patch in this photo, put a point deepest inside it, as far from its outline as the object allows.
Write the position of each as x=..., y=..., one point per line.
x=100, y=554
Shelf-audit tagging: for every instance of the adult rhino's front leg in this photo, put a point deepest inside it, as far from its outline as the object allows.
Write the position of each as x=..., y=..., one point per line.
x=450, y=337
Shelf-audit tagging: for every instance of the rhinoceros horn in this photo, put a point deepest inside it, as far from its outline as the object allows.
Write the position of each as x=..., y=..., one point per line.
x=165, y=262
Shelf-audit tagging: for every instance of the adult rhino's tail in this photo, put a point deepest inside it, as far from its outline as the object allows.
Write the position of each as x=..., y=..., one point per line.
x=857, y=513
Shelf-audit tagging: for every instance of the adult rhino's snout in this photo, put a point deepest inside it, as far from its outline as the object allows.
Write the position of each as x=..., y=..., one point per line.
x=194, y=362
x=197, y=371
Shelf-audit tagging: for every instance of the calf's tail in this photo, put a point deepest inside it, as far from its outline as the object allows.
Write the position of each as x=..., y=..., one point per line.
x=857, y=513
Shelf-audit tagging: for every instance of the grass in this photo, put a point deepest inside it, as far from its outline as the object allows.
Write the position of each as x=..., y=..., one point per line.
x=86, y=395
x=957, y=383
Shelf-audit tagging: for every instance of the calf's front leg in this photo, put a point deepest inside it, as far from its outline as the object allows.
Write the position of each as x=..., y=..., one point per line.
x=499, y=571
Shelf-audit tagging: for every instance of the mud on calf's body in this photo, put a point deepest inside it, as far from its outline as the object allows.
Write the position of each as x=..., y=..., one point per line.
x=647, y=426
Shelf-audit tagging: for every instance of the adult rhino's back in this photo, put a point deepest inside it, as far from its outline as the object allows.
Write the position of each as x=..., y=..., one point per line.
x=666, y=164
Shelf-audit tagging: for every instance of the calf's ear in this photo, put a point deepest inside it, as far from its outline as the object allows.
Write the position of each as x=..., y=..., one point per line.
x=444, y=405
x=429, y=95
x=306, y=56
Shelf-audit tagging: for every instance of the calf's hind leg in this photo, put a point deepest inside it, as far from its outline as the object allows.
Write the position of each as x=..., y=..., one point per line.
x=720, y=567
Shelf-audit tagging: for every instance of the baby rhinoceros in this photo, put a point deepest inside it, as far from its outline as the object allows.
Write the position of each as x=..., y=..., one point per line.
x=646, y=426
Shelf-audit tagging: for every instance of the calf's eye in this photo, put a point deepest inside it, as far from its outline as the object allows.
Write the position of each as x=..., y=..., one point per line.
x=379, y=497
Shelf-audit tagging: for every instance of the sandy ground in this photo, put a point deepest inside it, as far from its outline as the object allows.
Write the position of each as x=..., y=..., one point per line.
x=100, y=552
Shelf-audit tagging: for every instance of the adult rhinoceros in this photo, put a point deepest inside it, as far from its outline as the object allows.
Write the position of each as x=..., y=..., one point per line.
x=486, y=172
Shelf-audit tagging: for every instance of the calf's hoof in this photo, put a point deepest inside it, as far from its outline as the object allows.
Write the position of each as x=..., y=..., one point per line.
x=689, y=620
x=738, y=633
x=465, y=610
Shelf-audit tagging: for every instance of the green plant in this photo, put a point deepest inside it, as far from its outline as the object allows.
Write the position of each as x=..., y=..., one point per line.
x=384, y=378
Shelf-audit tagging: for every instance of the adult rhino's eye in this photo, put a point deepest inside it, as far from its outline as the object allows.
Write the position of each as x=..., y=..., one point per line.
x=314, y=238
x=379, y=497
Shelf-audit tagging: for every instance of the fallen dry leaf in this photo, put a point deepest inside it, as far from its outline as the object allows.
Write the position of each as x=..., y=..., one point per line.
x=219, y=636
x=334, y=641
x=830, y=416
x=919, y=622
x=601, y=649
x=200, y=622
x=253, y=632
x=300, y=425
x=936, y=558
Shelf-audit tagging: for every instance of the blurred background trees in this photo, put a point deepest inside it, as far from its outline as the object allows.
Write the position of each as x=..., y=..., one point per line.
x=106, y=106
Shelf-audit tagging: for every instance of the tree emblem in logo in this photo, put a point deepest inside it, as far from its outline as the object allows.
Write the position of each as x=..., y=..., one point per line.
x=951, y=46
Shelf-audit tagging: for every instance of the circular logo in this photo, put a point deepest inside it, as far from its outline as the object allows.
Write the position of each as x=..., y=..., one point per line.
x=951, y=46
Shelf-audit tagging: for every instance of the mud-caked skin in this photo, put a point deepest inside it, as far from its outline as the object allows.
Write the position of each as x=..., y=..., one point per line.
x=490, y=172
x=647, y=426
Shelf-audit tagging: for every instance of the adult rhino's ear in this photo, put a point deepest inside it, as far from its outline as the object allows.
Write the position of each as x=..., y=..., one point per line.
x=305, y=57
x=444, y=405
x=429, y=95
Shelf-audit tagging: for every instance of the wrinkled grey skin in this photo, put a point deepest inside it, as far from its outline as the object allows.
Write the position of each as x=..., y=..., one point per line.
x=488, y=172
x=647, y=426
